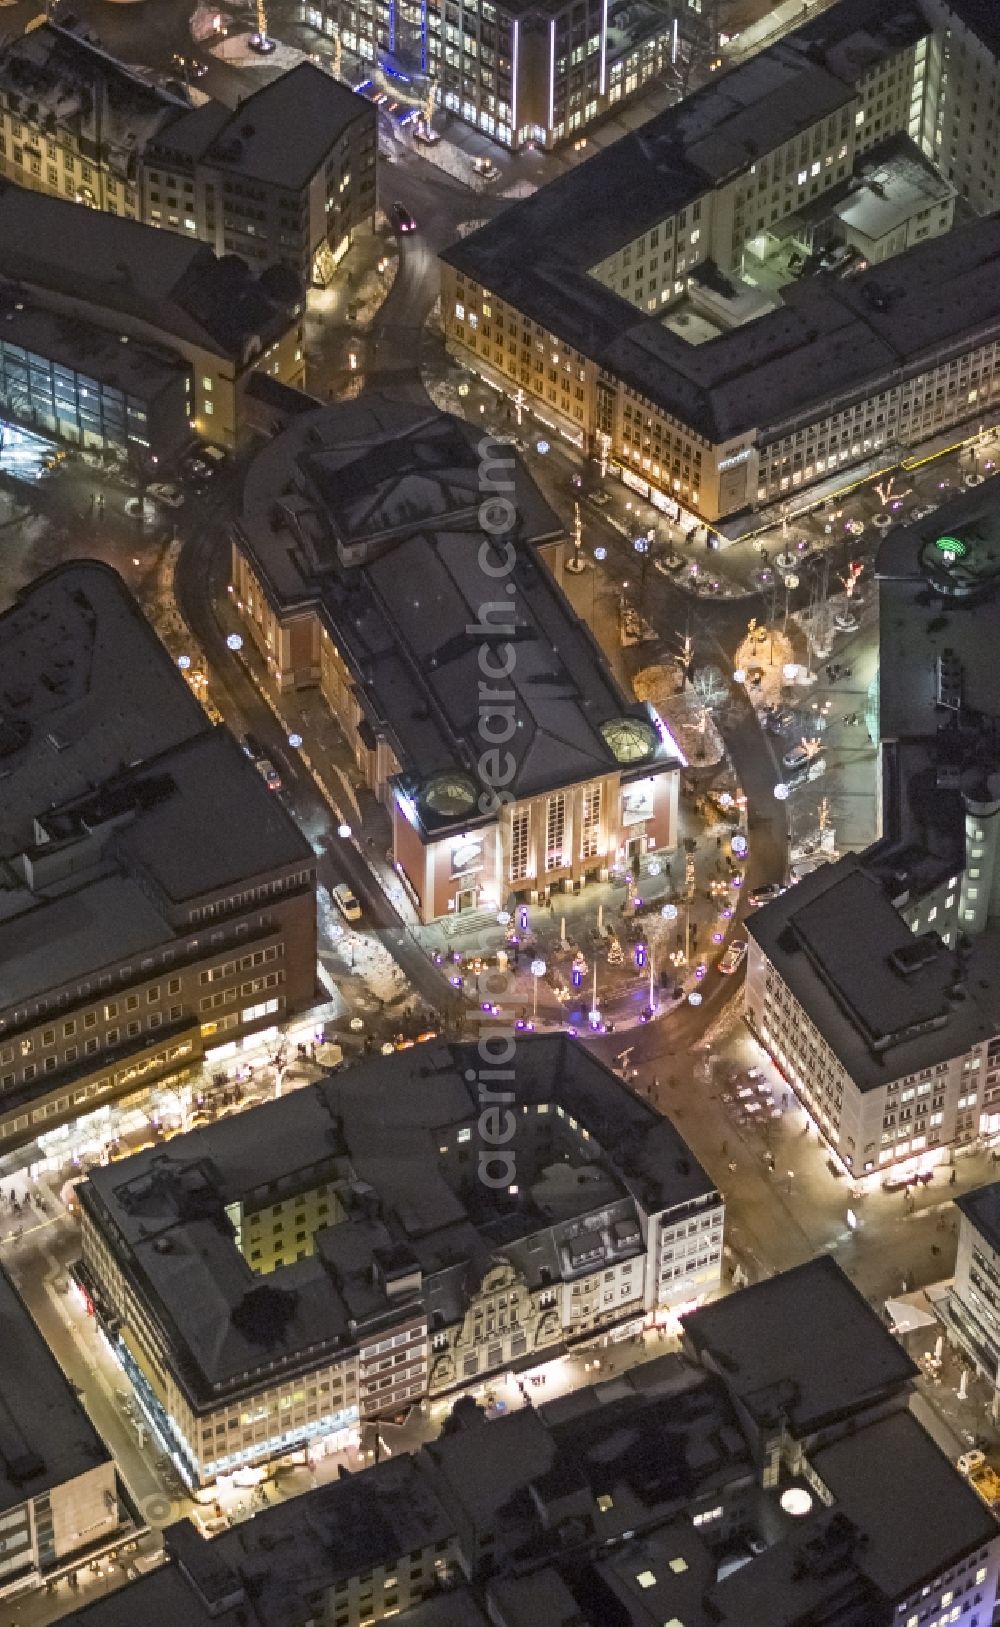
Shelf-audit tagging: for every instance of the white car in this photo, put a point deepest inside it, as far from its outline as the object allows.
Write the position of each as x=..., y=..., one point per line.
x=733, y=957
x=346, y=902
x=169, y=496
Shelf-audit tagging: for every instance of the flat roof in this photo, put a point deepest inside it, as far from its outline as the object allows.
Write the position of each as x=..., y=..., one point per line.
x=173, y=283
x=830, y=337
x=626, y=1466
x=140, y=371
x=936, y=1518
x=46, y=1438
x=284, y=132
x=892, y=183
x=94, y=854
x=369, y=512
x=937, y=580
x=886, y=1003
x=981, y=1208
x=379, y=1129
x=286, y=1553
x=803, y=1345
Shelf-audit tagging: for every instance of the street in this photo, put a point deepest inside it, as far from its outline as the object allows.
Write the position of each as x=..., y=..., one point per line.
x=787, y=588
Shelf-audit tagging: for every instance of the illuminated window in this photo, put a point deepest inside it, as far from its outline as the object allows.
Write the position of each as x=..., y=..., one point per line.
x=555, y=830
x=519, y=827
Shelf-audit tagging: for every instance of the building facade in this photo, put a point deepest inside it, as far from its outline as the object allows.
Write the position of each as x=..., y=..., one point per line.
x=190, y=330
x=131, y=948
x=900, y=1081
x=61, y=1503
x=190, y=1255
x=712, y=340
x=287, y=179
x=73, y=119
x=527, y=77
x=970, y=1309
x=489, y=799
x=628, y=1500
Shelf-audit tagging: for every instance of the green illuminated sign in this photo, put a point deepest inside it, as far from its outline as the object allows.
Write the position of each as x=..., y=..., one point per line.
x=951, y=547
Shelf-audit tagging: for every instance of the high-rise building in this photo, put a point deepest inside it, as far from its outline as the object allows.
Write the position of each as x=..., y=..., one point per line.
x=533, y=75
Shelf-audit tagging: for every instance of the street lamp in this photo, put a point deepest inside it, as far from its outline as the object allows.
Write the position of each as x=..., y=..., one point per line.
x=576, y=563
x=234, y=642
x=344, y=832
x=538, y=969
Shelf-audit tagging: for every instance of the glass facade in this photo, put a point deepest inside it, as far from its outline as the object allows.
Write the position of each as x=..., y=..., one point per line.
x=67, y=403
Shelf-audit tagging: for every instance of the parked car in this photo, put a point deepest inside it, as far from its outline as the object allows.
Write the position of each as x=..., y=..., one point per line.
x=346, y=902
x=401, y=218
x=169, y=496
x=764, y=894
x=732, y=960
x=268, y=773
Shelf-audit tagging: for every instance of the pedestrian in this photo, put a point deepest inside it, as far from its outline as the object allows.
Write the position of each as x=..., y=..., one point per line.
x=953, y=1177
x=725, y=1149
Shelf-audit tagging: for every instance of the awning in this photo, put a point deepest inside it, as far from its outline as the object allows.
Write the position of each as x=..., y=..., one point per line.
x=907, y=1316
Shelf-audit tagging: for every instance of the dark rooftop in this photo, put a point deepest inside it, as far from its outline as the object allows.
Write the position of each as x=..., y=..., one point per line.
x=885, y=1001
x=46, y=1437
x=369, y=512
x=803, y=1346
x=378, y=1130
x=981, y=1207
x=284, y=132
x=178, y=286
x=937, y=1518
x=828, y=336
x=93, y=854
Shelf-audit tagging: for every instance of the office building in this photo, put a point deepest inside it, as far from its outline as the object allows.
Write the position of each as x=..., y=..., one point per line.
x=200, y=327
x=970, y=1308
x=873, y=981
x=285, y=179
x=362, y=1245
x=288, y=178
x=361, y=564
x=713, y=333
x=61, y=1503
x=137, y=933
x=751, y=1479
x=534, y=75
